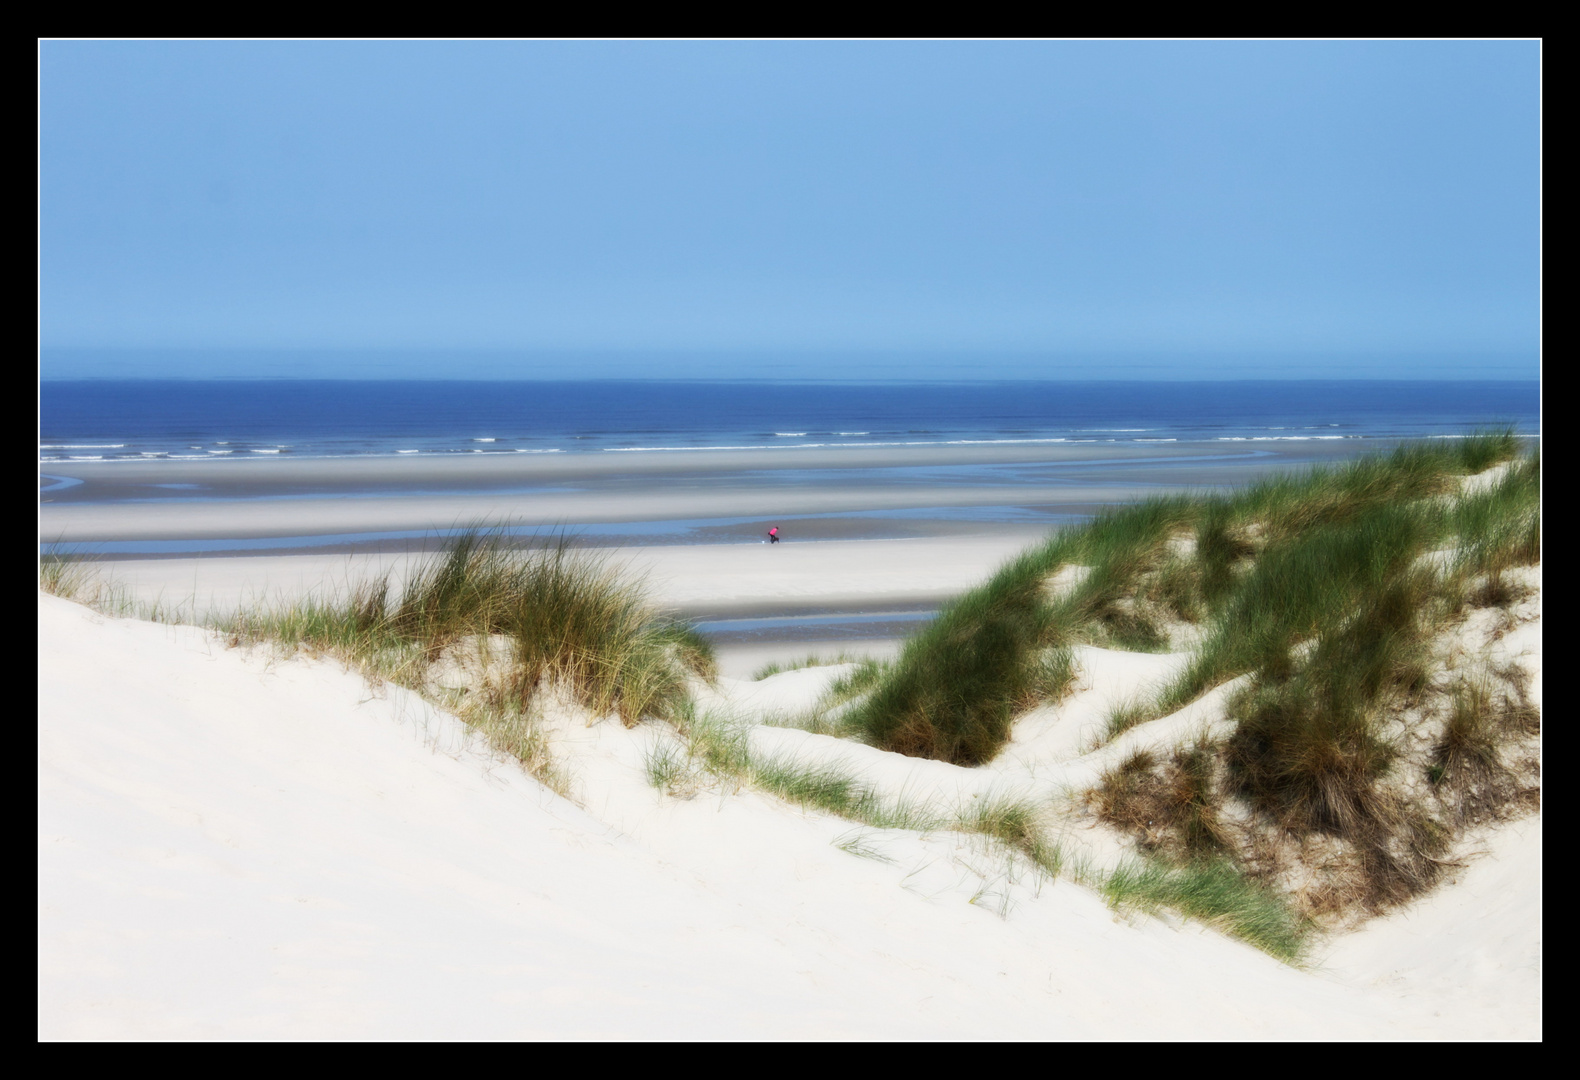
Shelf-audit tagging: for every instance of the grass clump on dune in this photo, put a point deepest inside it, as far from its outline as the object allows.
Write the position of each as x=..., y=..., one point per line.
x=75, y=575
x=546, y=616
x=1322, y=578
x=489, y=628
x=959, y=683
x=1172, y=810
x=1214, y=892
x=718, y=746
x=779, y=667
x=64, y=575
x=838, y=791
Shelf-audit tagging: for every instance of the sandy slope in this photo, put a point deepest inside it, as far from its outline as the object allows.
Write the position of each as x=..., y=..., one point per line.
x=232, y=847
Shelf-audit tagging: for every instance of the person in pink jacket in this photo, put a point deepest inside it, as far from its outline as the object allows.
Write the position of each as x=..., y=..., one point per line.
x=773, y=535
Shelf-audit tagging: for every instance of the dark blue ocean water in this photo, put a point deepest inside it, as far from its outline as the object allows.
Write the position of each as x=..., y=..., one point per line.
x=104, y=419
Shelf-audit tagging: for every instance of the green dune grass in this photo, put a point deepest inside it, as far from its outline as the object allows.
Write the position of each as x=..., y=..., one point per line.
x=1328, y=589
x=1259, y=571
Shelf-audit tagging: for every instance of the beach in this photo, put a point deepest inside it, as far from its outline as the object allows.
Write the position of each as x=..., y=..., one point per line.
x=731, y=541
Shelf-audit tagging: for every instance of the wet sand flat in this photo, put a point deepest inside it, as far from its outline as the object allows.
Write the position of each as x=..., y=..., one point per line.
x=359, y=501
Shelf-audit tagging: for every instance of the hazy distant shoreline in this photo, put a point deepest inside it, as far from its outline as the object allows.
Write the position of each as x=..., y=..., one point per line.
x=719, y=495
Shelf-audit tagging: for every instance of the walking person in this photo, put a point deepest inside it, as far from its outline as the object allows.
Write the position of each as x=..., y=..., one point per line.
x=773, y=535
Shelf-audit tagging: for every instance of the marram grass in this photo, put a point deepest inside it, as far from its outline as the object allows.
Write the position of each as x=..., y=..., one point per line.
x=1259, y=572
x=533, y=621
x=1214, y=892
x=1324, y=592
x=566, y=620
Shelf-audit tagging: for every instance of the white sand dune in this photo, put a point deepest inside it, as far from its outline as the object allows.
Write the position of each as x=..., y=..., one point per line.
x=234, y=846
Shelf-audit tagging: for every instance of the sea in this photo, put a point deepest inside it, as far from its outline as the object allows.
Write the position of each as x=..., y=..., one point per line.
x=107, y=420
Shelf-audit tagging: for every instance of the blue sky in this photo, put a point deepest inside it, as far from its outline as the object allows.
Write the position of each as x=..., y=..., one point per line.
x=1188, y=209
